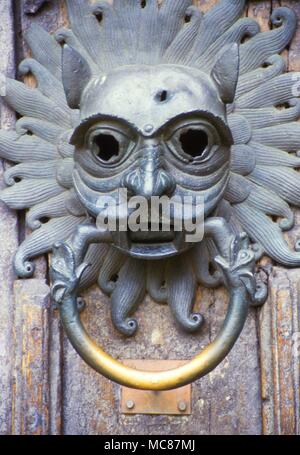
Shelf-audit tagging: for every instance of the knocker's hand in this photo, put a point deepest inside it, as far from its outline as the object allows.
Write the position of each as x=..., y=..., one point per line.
x=238, y=269
x=65, y=273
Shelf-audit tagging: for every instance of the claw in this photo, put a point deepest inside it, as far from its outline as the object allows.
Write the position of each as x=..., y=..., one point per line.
x=65, y=275
x=238, y=271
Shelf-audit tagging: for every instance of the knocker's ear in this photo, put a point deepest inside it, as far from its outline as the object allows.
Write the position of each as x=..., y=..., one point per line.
x=76, y=74
x=225, y=73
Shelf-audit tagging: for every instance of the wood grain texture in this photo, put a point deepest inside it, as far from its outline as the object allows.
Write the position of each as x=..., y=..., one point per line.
x=260, y=11
x=205, y=5
x=280, y=354
x=294, y=49
x=31, y=391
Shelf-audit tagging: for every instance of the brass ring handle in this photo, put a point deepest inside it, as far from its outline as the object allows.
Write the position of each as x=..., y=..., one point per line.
x=202, y=364
x=237, y=262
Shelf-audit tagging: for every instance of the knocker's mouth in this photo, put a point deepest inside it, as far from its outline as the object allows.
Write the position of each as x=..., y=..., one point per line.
x=151, y=245
x=156, y=237
x=146, y=227
x=152, y=237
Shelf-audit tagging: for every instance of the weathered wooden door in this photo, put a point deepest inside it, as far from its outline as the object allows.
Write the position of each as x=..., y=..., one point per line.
x=45, y=388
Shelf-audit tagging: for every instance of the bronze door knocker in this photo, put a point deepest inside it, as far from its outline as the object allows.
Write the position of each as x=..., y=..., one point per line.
x=162, y=101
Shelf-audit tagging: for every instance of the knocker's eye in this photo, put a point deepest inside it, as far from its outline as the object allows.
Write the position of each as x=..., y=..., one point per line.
x=108, y=146
x=194, y=143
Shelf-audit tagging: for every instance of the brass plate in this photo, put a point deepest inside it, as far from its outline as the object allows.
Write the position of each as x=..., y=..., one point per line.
x=170, y=402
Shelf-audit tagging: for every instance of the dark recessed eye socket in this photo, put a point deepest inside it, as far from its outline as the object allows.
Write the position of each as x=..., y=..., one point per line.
x=194, y=142
x=106, y=147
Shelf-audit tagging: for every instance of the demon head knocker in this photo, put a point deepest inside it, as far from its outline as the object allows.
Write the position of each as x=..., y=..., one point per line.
x=156, y=101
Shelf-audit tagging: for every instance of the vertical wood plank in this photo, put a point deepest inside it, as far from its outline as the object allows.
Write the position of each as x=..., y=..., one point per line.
x=280, y=354
x=31, y=392
x=8, y=230
x=294, y=49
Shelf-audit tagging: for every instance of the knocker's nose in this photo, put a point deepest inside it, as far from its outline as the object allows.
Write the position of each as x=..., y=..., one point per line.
x=149, y=178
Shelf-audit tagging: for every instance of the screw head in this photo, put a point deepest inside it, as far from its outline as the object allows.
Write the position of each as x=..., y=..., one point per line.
x=182, y=406
x=130, y=404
